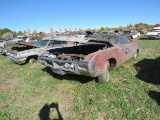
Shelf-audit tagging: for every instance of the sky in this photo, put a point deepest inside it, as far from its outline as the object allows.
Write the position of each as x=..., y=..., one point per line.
x=20, y=15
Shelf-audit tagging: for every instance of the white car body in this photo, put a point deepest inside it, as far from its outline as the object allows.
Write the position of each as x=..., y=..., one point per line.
x=135, y=34
x=155, y=33
x=131, y=34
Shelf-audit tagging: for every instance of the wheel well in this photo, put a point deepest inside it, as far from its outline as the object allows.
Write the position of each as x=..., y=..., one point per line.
x=33, y=56
x=113, y=63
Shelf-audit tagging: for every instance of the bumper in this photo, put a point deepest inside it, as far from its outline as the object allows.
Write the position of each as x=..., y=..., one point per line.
x=152, y=36
x=18, y=61
x=72, y=67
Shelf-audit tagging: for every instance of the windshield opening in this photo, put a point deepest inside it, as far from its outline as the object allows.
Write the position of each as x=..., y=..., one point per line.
x=112, y=39
x=41, y=42
x=126, y=32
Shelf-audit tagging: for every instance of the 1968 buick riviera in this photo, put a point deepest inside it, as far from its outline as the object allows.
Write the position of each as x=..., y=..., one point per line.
x=95, y=57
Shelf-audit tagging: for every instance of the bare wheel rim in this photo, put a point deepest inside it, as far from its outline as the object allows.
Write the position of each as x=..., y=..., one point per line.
x=32, y=60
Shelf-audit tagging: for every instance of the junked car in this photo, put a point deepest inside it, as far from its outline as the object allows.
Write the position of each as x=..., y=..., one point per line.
x=25, y=52
x=95, y=57
x=153, y=34
x=16, y=39
x=131, y=34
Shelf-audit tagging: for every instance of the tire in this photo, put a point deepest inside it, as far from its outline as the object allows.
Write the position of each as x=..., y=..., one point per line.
x=32, y=60
x=104, y=78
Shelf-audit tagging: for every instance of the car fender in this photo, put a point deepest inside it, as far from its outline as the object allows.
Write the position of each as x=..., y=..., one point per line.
x=101, y=57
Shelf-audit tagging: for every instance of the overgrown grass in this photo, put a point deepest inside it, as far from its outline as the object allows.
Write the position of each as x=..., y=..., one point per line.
x=32, y=91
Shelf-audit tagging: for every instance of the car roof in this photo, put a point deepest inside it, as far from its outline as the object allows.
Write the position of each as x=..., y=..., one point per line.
x=102, y=38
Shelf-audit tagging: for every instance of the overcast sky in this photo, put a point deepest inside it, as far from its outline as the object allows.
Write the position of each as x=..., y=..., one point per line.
x=19, y=15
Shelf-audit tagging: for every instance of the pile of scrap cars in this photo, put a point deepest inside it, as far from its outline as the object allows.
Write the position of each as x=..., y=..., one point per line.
x=92, y=56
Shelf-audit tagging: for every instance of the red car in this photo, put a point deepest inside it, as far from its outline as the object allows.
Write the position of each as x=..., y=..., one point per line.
x=95, y=57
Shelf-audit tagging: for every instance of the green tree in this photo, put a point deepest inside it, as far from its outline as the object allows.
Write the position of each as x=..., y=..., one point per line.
x=41, y=34
x=7, y=35
x=20, y=33
x=102, y=29
x=14, y=34
x=142, y=27
x=131, y=27
x=94, y=30
x=121, y=28
x=5, y=30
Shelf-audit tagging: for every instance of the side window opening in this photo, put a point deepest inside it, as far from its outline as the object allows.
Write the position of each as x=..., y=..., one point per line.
x=124, y=40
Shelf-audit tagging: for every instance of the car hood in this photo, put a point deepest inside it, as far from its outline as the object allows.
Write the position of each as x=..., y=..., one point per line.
x=11, y=43
x=33, y=50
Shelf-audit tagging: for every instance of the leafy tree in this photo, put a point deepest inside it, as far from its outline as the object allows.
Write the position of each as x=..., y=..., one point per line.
x=131, y=27
x=7, y=35
x=142, y=27
x=14, y=34
x=41, y=34
x=121, y=28
x=102, y=29
x=20, y=33
x=94, y=30
x=5, y=30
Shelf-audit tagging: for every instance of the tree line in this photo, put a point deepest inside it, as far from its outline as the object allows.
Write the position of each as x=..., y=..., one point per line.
x=9, y=33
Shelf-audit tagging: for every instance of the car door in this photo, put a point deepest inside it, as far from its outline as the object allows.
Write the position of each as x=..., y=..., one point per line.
x=128, y=47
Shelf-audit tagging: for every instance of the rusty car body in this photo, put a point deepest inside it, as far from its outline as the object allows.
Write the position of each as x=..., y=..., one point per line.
x=15, y=40
x=95, y=57
x=22, y=52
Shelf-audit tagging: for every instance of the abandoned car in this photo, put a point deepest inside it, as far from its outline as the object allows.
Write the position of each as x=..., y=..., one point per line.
x=15, y=40
x=94, y=58
x=131, y=34
x=22, y=52
x=153, y=34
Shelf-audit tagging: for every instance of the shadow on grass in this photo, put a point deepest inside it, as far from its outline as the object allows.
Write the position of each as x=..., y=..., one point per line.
x=80, y=78
x=155, y=95
x=45, y=112
x=148, y=70
x=3, y=54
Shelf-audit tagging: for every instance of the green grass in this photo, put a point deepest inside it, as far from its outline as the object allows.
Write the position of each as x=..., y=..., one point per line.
x=32, y=91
